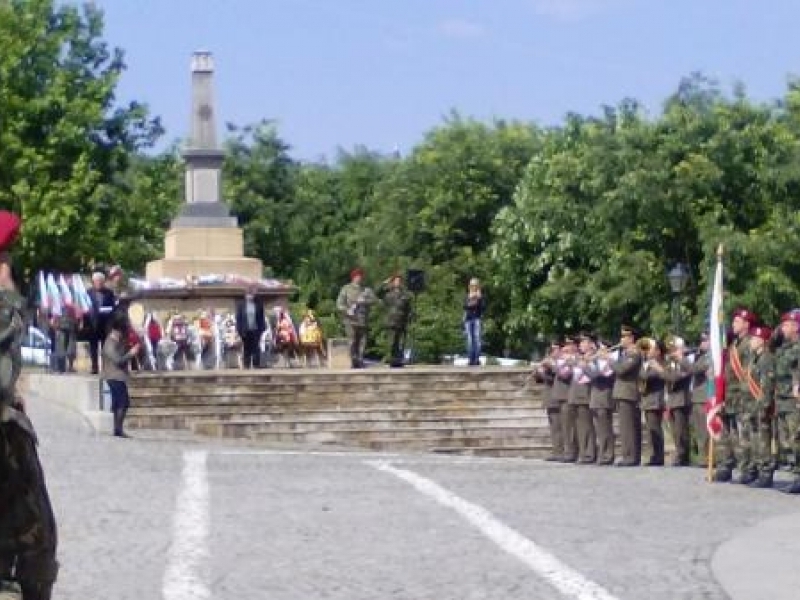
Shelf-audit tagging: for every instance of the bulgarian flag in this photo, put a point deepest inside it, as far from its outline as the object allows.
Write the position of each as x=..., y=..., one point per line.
x=715, y=399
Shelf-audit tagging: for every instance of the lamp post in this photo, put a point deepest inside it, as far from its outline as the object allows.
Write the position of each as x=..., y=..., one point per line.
x=678, y=277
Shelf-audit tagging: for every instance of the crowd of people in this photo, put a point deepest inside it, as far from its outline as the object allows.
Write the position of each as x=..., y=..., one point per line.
x=654, y=384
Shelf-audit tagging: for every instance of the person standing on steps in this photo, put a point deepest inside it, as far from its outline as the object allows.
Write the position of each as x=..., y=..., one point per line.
x=474, y=307
x=353, y=304
x=116, y=364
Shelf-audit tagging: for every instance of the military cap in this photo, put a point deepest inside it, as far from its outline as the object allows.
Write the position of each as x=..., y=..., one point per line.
x=627, y=330
x=762, y=332
x=747, y=315
x=674, y=342
x=585, y=336
x=10, y=225
x=791, y=316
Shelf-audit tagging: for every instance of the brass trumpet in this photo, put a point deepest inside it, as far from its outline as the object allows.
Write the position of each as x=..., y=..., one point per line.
x=645, y=344
x=600, y=351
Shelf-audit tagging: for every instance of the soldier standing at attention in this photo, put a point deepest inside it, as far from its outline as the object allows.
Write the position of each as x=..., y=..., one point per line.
x=735, y=391
x=546, y=372
x=353, y=304
x=699, y=370
x=678, y=378
x=755, y=414
x=601, y=403
x=787, y=365
x=397, y=300
x=626, y=396
x=27, y=525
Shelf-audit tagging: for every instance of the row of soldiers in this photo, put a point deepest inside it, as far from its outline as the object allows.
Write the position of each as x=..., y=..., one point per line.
x=659, y=381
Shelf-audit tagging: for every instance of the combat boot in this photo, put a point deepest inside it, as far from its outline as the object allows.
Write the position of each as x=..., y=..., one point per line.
x=747, y=477
x=764, y=481
x=794, y=488
x=723, y=475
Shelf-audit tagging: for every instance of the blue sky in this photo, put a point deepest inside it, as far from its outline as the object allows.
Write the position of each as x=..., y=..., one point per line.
x=381, y=73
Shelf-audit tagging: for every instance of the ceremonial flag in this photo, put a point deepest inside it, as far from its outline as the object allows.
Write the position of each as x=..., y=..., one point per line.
x=66, y=293
x=715, y=398
x=44, y=298
x=54, y=296
x=81, y=295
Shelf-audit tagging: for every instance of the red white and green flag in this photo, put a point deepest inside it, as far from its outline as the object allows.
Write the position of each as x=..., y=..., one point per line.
x=715, y=398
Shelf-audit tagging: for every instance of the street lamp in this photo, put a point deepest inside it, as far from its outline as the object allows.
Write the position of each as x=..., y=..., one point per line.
x=678, y=277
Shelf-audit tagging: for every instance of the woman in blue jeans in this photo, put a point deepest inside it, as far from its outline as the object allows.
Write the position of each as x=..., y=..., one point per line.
x=474, y=307
x=116, y=361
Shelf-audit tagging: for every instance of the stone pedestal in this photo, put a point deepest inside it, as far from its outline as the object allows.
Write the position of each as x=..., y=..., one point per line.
x=200, y=251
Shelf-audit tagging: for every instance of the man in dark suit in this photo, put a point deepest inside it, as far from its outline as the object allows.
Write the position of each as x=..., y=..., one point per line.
x=250, y=324
x=103, y=303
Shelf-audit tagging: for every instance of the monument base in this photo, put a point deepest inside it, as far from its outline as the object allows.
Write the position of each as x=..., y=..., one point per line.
x=181, y=268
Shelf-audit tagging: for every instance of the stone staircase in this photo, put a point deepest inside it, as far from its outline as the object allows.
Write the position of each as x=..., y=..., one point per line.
x=487, y=411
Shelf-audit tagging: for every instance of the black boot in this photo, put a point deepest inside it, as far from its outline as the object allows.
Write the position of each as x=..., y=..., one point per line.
x=37, y=591
x=794, y=488
x=748, y=477
x=723, y=475
x=764, y=480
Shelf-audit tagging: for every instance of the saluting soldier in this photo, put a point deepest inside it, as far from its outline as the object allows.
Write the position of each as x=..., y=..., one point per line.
x=787, y=375
x=735, y=391
x=562, y=386
x=755, y=414
x=699, y=370
x=651, y=381
x=601, y=403
x=546, y=372
x=678, y=378
x=579, y=395
x=626, y=396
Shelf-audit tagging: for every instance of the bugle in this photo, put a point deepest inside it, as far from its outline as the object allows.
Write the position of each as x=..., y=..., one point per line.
x=601, y=351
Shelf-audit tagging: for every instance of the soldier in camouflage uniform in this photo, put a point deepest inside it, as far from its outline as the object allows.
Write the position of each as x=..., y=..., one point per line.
x=735, y=392
x=787, y=375
x=397, y=300
x=353, y=303
x=27, y=524
x=755, y=414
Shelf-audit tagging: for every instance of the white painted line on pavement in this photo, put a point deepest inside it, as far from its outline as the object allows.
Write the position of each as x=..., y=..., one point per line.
x=304, y=453
x=564, y=578
x=183, y=579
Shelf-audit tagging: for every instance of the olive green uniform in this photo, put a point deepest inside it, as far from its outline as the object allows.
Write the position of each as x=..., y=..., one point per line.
x=560, y=394
x=754, y=447
x=578, y=404
x=678, y=399
x=699, y=369
x=787, y=413
x=398, y=313
x=651, y=384
x=353, y=303
x=601, y=404
x=626, y=396
x=547, y=374
x=27, y=525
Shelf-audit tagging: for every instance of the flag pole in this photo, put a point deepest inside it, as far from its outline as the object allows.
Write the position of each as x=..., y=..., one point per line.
x=710, y=460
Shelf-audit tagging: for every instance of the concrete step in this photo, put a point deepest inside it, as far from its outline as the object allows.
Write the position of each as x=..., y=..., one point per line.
x=360, y=436
x=535, y=450
x=479, y=446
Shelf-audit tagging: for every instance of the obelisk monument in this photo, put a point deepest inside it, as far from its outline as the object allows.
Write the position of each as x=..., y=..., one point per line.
x=204, y=239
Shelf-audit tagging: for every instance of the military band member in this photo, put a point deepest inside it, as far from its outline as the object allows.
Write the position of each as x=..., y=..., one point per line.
x=787, y=375
x=754, y=445
x=601, y=403
x=651, y=382
x=546, y=372
x=578, y=402
x=626, y=396
x=569, y=413
x=736, y=388
x=678, y=378
x=699, y=370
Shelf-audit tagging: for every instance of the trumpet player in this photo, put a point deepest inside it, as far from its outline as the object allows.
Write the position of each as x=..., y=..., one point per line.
x=601, y=404
x=651, y=387
x=564, y=376
x=578, y=403
x=678, y=378
x=546, y=372
x=626, y=397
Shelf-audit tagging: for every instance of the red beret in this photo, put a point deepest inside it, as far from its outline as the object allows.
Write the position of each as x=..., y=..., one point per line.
x=791, y=316
x=747, y=315
x=356, y=273
x=762, y=332
x=9, y=229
